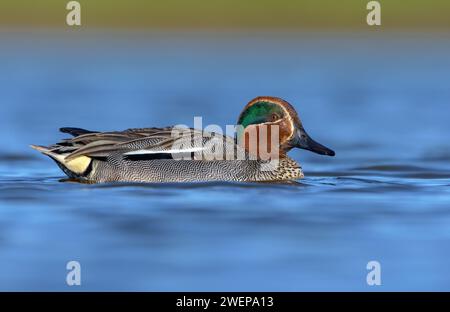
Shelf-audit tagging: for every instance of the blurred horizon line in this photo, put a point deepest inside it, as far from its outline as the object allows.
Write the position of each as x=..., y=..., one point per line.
x=228, y=15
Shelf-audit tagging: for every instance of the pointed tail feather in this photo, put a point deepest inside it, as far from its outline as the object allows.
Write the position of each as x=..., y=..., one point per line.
x=78, y=165
x=43, y=149
x=47, y=151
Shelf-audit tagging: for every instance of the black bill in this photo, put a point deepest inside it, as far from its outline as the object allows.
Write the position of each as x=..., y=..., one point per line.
x=304, y=141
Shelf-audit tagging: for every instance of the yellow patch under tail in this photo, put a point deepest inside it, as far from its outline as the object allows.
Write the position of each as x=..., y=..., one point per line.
x=77, y=165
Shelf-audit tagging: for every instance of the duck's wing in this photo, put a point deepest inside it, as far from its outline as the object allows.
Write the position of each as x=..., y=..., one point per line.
x=143, y=142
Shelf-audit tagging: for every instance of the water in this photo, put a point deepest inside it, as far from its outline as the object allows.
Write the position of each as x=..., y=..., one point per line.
x=380, y=101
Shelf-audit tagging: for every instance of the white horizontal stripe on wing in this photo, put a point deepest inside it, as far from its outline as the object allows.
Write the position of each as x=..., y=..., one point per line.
x=171, y=151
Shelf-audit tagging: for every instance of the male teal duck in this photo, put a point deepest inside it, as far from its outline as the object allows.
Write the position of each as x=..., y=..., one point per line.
x=164, y=154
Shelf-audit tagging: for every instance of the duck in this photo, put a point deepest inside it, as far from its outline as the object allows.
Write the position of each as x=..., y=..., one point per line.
x=168, y=154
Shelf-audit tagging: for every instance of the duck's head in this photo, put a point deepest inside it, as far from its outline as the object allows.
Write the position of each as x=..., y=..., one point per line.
x=267, y=111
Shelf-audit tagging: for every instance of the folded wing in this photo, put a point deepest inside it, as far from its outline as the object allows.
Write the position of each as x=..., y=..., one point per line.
x=141, y=142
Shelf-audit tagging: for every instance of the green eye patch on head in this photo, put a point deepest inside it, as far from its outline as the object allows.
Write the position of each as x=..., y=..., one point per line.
x=259, y=112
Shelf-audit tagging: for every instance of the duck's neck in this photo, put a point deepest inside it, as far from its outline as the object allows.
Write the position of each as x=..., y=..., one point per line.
x=260, y=142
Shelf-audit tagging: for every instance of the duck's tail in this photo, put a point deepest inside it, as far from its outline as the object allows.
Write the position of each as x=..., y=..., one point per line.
x=75, y=167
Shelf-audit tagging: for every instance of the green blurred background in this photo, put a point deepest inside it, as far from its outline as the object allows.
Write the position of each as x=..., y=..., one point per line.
x=227, y=14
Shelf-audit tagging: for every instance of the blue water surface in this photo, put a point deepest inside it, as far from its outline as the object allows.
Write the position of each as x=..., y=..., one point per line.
x=381, y=101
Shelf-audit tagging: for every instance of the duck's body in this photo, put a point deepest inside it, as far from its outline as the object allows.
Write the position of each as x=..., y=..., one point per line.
x=171, y=155
x=118, y=156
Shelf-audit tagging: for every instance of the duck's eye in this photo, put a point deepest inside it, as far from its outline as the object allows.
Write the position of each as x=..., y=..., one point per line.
x=274, y=117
